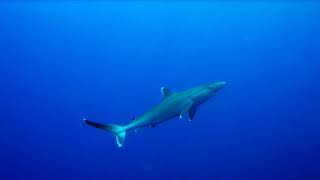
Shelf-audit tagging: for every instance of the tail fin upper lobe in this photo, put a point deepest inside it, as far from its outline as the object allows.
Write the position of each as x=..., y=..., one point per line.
x=116, y=130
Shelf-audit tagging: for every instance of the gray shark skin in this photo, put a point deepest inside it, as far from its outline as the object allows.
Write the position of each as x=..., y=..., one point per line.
x=173, y=104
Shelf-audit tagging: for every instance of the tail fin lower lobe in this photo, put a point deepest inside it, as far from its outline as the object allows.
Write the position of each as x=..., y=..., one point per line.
x=116, y=130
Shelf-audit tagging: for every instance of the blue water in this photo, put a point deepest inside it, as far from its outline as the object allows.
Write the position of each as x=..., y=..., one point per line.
x=61, y=62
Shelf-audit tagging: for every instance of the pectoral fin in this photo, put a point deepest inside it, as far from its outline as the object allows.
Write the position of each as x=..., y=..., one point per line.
x=152, y=125
x=186, y=107
x=136, y=130
x=192, y=112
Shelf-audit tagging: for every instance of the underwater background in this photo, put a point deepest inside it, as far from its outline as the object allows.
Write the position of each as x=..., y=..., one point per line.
x=106, y=61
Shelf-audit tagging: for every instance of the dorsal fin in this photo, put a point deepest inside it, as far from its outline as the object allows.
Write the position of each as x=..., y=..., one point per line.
x=165, y=92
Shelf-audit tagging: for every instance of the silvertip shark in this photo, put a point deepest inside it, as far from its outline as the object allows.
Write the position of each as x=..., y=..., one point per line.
x=174, y=104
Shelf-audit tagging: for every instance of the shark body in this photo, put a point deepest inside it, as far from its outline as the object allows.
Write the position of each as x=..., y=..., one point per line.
x=173, y=104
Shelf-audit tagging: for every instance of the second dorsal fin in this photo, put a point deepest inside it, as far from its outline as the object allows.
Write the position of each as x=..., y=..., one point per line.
x=165, y=92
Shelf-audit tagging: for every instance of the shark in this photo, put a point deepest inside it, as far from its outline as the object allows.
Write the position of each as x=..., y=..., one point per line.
x=173, y=104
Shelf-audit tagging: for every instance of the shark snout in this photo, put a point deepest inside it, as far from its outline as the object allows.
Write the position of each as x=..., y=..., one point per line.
x=217, y=86
x=220, y=85
x=223, y=83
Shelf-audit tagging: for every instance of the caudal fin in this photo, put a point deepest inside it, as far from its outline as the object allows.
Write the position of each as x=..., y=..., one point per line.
x=116, y=130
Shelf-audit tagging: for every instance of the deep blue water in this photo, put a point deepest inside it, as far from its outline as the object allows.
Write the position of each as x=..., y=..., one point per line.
x=61, y=62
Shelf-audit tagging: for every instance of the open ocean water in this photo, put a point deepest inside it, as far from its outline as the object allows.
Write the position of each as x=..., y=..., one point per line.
x=61, y=62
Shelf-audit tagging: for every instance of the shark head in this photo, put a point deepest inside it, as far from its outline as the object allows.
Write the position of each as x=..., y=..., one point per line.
x=202, y=93
x=215, y=87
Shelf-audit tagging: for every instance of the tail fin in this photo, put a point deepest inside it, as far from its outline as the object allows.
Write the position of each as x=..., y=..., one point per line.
x=116, y=130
